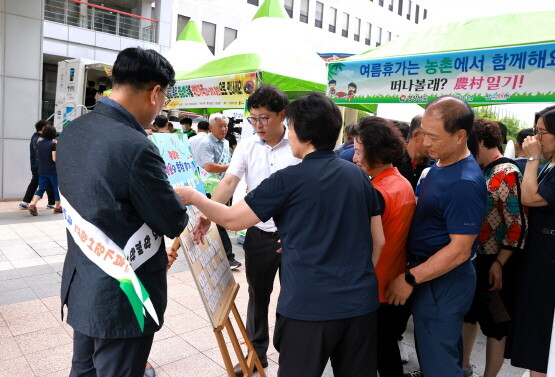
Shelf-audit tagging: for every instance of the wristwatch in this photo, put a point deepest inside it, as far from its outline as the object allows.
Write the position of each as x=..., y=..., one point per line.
x=409, y=278
x=534, y=158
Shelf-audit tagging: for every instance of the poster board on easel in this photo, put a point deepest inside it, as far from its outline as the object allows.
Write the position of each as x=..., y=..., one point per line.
x=218, y=289
x=209, y=267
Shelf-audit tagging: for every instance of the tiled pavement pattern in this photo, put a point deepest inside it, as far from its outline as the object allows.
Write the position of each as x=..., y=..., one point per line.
x=35, y=342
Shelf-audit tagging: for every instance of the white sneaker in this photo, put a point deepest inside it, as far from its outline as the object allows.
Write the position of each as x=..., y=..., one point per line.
x=404, y=353
x=468, y=371
x=414, y=373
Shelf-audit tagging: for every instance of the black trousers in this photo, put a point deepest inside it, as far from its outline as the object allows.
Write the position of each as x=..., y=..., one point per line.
x=226, y=242
x=34, y=184
x=261, y=265
x=94, y=357
x=305, y=346
x=392, y=323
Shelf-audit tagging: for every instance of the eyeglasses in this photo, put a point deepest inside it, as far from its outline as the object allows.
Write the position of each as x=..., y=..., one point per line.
x=263, y=120
x=539, y=133
x=167, y=100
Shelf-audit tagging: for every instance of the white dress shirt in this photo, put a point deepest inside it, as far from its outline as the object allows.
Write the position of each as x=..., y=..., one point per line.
x=257, y=161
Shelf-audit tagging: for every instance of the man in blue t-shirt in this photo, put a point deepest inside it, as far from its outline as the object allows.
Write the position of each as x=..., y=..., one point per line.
x=451, y=206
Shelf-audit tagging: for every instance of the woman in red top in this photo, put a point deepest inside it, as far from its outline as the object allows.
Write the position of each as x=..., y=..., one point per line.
x=377, y=145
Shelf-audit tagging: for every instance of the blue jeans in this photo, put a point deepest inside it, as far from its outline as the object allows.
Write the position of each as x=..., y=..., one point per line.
x=438, y=308
x=44, y=179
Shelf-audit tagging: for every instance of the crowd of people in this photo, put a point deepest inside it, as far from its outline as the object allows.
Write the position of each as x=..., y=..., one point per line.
x=467, y=254
x=427, y=220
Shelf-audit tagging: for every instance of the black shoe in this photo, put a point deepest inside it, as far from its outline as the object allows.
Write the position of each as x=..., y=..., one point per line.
x=233, y=264
x=239, y=372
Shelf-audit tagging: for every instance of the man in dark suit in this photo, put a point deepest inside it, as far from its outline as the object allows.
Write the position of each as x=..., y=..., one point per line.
x=118, y=205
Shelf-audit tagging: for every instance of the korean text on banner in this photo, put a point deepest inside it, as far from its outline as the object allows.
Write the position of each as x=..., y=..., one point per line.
x=498, y=75
x=229, y=91
x=180, y=166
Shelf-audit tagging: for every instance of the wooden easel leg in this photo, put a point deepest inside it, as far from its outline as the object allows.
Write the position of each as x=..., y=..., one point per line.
x=245, y=365
x=225, y=353
x=252, y=356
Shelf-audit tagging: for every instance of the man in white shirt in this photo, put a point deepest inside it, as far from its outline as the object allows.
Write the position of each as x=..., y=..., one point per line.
x=194, y=141
x=257, y=157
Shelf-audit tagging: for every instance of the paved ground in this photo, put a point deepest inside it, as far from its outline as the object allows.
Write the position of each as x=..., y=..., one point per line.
x=35, y=342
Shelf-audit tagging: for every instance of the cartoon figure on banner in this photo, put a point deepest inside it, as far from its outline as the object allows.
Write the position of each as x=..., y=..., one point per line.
x=331, y=89
x=249, y=87
x=352, y=89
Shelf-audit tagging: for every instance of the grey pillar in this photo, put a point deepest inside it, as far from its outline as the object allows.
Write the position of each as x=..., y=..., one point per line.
x=20, y=90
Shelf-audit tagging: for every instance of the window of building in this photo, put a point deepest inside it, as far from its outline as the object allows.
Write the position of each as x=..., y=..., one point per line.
x=333, y=19
x=357, y=29
x=318, y=19
x=391, y=5
x=425, y=14
x=289, y=7
x=388, y=36
x=380, y=2
x=209, y=35
x=409, y=10
x=368, y=34
x=253, y=2
x=345, y=28
x=304, y=11
x=379, y=39
x=181, y=22
x=400, y=9
x=229, y=36
x=416, y=13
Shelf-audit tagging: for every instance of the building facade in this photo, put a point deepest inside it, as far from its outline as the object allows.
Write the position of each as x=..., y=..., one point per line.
x=36, y=34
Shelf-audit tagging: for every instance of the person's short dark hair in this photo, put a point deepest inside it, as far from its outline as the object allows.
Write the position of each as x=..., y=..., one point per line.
x=540, y=113
x=472, y=143
x=415, y=124
x=270, y=97
x=381, y=140
x=523, y=134
x=40, y=125
x=315, y=119
x=332, y=82
x=549, y=120
x=139, y=68
x=350, y=132
x=455, y=113
x=161, y=121
x=91, y=83
x=173, y=118
x=403, y=128
x=353, y=85
x=203, y=125
x=488, y=132
x=101, y=88
x=504, y=131
x=186, y=120
x=49, y=132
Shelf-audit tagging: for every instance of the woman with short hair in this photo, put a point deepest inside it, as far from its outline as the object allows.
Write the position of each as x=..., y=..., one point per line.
x=377, y=145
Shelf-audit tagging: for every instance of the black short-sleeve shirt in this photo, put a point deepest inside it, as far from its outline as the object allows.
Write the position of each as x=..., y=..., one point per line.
x=47, y=166
x=322, y=208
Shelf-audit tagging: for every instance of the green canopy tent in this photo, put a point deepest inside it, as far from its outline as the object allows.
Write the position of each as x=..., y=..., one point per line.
x=190, y=50
x=494, y=60
x=268, y=51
